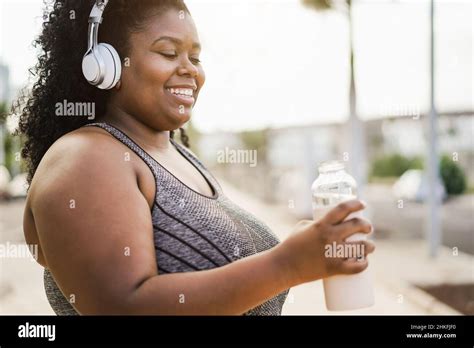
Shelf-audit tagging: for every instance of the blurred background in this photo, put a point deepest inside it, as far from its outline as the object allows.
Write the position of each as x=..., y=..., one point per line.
x=386, y=86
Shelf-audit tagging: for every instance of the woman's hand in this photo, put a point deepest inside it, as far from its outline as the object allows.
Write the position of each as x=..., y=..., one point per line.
x=303, y=254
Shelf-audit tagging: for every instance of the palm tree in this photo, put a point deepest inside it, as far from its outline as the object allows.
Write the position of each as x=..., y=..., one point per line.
x=3, y=118
x=356, y=130
x=433, y=226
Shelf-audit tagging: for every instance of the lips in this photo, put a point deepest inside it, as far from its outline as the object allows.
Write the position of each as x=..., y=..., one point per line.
x=182, y=95
x=181, y=91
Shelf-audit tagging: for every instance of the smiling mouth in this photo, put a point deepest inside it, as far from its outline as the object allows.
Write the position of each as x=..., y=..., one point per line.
x=183, y=95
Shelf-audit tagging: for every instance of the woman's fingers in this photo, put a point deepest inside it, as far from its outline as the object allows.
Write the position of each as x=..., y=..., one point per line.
x=353, y=266
x=354, y=225
x=303, y=223
x=359, y=249
x=342, y=211
x=369, y=246
x=356, y=258
x=352, y=250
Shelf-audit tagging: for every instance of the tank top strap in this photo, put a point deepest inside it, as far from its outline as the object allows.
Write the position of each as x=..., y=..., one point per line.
x=201, y=167
x=130, y=143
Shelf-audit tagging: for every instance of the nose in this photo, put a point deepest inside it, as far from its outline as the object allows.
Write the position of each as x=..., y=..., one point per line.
x=188, y=68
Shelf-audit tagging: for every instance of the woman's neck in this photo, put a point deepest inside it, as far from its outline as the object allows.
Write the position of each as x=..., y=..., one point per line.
x=150, y=139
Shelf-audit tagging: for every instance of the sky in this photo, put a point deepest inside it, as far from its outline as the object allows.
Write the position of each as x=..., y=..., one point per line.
x=275, y=63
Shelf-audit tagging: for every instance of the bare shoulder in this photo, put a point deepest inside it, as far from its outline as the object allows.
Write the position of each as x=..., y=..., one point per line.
x=78, y=160
x=87, y=209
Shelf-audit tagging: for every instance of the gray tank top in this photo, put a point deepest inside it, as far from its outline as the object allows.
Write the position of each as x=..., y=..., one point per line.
x=191, y=231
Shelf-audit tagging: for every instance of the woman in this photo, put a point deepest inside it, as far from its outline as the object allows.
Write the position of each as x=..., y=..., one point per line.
x=127, y=220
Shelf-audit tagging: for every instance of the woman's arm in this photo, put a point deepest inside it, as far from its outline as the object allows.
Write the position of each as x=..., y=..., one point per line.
x=229, y=290
x=96, y=233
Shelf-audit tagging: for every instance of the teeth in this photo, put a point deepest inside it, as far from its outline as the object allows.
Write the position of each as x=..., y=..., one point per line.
x=181, y=91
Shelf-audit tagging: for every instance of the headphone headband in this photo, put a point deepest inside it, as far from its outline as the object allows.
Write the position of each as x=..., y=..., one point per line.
x=95, y=19
x=101, y=64
x=98, y=10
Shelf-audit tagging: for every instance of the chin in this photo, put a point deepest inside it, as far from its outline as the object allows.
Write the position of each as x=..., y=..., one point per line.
x=181, y=119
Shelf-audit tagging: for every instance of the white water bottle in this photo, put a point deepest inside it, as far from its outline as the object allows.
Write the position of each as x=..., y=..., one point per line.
x=333, y=186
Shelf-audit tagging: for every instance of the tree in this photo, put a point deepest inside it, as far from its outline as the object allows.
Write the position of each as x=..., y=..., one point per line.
x=3, y=113
x=10, y=144
x=356, y=130
x=5, y=139
x=453, y=176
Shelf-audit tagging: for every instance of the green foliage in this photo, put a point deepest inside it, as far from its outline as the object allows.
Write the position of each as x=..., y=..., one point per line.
x=255, y=140
x=321, y=5
x=9, y=155
x=394, y=165
x=3, y=113
x=11, y=144
x=453, y=177
x=318, y=4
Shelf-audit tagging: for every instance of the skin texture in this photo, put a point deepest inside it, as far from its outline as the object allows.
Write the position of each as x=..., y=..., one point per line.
x=89, y=211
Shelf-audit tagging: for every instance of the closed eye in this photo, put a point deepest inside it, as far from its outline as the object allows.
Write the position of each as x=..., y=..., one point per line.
x=195, y=60
x=169, y=55
x=174, y=56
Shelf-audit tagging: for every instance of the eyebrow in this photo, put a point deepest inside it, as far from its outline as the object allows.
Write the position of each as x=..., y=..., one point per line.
x=175, y=40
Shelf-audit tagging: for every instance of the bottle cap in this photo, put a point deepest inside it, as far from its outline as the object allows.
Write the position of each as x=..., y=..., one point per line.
x=330, y=166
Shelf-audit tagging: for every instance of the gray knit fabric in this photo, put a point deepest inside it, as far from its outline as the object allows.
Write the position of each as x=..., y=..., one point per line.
x=192, y=232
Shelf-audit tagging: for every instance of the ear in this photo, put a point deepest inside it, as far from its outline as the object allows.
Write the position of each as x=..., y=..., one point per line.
x=118, y=85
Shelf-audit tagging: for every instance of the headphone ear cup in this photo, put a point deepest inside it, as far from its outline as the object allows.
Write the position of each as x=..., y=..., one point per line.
x=90, y=67
x=112, y=66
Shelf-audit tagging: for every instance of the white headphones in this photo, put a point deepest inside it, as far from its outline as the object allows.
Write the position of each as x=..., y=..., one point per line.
x=101, y=64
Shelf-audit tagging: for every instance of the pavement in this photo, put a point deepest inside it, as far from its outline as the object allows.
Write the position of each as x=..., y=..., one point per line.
x=407, y=221
x=21, y=279
x=396, y=266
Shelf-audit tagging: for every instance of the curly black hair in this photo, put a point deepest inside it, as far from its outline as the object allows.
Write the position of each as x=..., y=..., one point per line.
x=58, y=72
